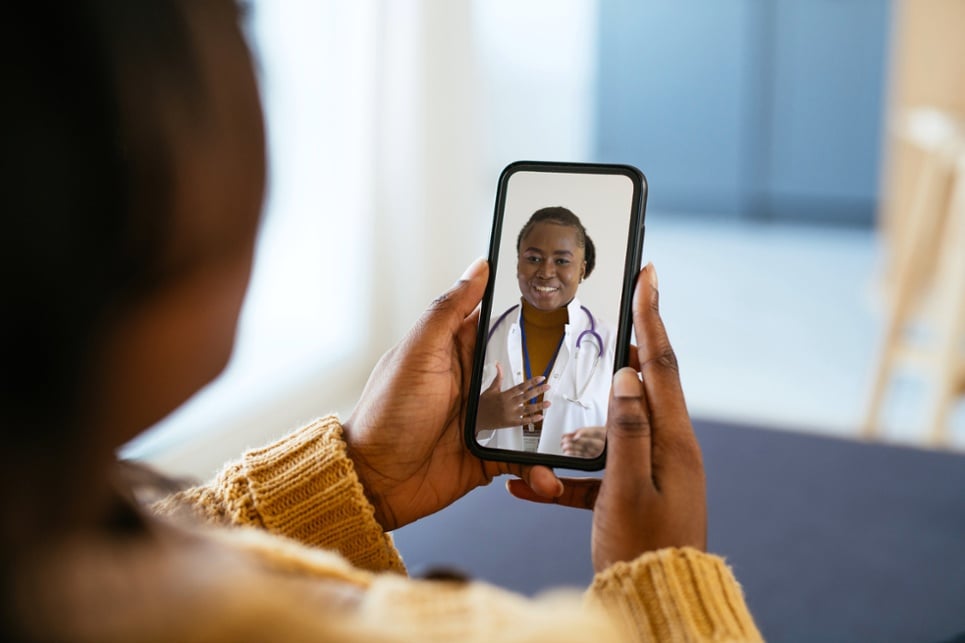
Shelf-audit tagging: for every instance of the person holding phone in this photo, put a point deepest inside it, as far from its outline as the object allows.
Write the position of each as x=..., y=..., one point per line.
x=549, y=359
x=127, y=256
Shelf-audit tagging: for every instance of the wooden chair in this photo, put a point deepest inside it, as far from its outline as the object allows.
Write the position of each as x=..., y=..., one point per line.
x=927, y=276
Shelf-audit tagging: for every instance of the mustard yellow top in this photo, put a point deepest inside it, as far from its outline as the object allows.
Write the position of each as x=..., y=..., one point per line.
x=287, y=549
x=544, y=330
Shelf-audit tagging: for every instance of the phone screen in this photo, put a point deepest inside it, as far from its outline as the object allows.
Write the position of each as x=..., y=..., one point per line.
x=555, y=320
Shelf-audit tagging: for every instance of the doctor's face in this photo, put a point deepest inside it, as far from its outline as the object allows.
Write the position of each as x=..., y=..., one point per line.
x=550, y=264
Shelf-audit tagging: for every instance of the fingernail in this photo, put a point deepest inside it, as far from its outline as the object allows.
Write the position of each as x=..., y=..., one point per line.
x=652, y=273
x=474, y=269
x=559, y=488
x=626, y=383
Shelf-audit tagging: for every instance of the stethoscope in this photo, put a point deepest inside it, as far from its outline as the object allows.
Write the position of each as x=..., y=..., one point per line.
x=590, y=332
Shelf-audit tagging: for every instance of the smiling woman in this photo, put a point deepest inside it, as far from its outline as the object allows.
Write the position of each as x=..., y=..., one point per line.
x=134, y=216
x=555, y=256
x=529, y=363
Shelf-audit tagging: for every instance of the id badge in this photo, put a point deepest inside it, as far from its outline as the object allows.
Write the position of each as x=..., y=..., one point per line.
x=530, y=440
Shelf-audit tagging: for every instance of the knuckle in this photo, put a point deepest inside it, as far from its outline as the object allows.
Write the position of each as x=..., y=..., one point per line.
x=655, y=300
x=440, y=303
x=629, y=421
x=447, y=303
x=664, y=359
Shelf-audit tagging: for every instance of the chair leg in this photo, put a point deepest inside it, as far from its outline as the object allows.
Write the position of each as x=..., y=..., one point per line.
x=911, y=263
x=950, y=316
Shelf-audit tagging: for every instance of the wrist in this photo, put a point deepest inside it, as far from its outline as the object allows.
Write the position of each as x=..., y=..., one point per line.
x=367, y=477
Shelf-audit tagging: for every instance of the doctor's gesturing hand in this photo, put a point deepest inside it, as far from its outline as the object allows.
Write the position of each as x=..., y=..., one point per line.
x=587, y=442
x=652, y=494
x=405, y=434
x=512, y=407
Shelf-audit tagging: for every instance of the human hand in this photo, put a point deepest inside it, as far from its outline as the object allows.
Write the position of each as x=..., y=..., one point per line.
x=405, y=435
x=584, y=443
x=512, y=407
x=652, y=494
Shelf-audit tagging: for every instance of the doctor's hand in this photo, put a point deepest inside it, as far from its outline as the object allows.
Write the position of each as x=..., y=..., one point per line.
x=405, y=435
x=584, y=443
x=512, y=407
x=652, y=494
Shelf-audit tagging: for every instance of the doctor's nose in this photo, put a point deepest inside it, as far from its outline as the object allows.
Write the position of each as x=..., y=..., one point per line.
x=546, y=270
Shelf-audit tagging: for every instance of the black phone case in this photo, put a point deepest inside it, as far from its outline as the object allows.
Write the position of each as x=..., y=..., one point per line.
x=631, y=269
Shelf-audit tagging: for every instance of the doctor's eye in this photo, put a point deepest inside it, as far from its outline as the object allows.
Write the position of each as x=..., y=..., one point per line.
x=533, y=259
x=562, y=262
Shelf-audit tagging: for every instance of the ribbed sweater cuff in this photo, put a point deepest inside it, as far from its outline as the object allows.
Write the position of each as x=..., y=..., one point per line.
x=675, y=595
x=305, y=487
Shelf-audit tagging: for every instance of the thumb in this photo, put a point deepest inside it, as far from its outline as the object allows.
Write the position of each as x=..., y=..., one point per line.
x=628, y=433
x=456, y=304
x=495, y=387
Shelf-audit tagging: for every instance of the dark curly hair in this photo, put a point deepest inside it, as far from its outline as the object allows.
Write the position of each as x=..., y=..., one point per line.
x=564, y=217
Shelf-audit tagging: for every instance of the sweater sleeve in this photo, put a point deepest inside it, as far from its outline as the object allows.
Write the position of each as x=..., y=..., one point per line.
x=304, y=487
x=668, y=595
x=674, y=595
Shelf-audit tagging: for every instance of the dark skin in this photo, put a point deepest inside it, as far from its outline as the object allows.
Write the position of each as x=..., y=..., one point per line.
x=550, y=266
x=653, y=494
x=405, y=436
x=499, y=409
x=587, y=442
x=423, y=383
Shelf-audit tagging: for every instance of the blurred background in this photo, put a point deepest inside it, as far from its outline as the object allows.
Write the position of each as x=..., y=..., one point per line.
x=802, y=214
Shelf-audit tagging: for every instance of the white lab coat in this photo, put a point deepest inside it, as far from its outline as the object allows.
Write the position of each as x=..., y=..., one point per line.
x=574, y=369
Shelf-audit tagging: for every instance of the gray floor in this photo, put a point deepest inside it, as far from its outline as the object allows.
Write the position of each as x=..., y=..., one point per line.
x=778, y=324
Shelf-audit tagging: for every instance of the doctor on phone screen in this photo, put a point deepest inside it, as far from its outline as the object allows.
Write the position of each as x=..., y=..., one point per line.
x=549, y=360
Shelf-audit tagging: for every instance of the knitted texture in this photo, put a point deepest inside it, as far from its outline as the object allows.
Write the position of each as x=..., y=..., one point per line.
x=675, y=595
x=304, y=487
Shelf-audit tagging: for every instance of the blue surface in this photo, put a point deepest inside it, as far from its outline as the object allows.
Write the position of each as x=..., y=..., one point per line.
x=832, y=540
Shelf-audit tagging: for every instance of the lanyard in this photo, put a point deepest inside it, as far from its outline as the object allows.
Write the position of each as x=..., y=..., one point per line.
x=526, y=364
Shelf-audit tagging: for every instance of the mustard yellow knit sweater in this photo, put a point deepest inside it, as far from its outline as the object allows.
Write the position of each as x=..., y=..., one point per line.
x=288, y=549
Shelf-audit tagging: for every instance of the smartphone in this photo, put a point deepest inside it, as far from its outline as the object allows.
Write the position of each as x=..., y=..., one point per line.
x=555, y=320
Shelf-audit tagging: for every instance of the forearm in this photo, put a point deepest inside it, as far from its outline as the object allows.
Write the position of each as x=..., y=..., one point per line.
x=304, y=487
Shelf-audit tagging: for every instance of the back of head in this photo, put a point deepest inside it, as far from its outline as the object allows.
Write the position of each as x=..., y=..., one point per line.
x=85, y=169
x=84, y=188
x=133, y=173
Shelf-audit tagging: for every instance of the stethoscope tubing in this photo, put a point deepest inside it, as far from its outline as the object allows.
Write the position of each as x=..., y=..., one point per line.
x=591, y=331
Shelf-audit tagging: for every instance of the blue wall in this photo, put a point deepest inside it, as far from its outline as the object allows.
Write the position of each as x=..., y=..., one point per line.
x=747, y=107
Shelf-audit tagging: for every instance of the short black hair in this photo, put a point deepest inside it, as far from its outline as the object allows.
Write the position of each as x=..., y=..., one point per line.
x=564, y=217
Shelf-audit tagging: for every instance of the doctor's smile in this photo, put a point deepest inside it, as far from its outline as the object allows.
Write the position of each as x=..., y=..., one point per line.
x=549, y=336
x=551, y=265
